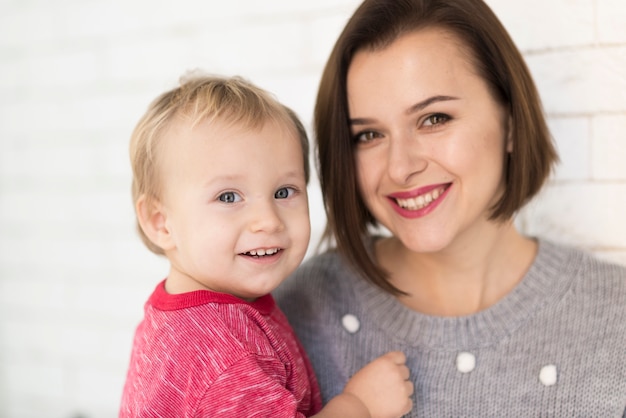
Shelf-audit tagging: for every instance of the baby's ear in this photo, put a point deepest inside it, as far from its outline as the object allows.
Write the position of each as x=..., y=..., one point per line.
x=153, y=222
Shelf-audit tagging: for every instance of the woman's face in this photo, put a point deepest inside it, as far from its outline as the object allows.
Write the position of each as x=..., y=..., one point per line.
x=430, y=140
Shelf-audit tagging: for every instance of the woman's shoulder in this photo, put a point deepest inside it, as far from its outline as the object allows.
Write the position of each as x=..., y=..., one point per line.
x=582, y=258
x=590, y=272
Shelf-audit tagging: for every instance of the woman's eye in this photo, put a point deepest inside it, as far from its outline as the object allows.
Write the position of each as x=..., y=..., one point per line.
x=366, y=136
x=436, y=119
x=229, y=197
x=284, y=193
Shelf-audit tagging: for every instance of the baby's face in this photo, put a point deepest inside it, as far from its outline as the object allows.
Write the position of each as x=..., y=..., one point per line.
x=235, y=202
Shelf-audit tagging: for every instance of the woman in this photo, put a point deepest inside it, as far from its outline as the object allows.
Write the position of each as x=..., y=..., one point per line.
x=428, y=124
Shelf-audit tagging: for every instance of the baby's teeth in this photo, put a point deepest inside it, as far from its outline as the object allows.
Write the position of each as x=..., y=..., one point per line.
x=261, y=252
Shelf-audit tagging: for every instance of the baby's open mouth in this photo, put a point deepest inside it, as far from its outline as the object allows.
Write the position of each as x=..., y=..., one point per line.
x=262, y=252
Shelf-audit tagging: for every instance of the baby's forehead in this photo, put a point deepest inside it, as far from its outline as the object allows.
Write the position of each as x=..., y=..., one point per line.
x=220, y=128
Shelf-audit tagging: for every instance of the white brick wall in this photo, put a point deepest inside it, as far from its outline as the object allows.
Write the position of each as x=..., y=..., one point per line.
x=75, y=75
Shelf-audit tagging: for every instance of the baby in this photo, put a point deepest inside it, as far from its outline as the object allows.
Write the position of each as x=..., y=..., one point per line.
x=220, y=173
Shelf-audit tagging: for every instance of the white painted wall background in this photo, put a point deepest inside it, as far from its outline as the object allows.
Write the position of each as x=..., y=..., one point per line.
x=75, y=75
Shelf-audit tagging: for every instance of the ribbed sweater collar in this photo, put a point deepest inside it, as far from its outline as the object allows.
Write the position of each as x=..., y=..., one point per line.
x=545, y=283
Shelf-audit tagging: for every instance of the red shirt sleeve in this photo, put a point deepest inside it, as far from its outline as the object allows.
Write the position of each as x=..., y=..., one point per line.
x=252, y=387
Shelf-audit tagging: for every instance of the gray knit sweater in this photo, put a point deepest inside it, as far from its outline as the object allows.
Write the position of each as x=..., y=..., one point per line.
x=554, y=347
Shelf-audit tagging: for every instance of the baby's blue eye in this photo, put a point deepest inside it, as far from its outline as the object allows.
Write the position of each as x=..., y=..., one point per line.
x=283, y=193
x=229, y=197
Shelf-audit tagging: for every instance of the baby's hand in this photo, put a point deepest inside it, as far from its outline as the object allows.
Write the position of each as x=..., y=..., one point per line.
x=384, y=386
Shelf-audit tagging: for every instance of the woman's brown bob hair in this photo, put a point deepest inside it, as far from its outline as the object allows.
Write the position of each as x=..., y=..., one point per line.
x=375, y=25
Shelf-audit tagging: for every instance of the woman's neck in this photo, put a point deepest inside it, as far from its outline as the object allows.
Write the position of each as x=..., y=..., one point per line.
x=462, y=279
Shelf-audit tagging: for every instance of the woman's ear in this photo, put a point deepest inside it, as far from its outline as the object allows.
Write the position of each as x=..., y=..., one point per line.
x=153, y=221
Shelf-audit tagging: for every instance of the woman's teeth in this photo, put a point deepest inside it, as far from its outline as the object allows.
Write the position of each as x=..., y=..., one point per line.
x=261, y=253
x=420, y=201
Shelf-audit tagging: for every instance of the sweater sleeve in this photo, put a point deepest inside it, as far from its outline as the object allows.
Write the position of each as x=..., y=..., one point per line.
x=251, y=387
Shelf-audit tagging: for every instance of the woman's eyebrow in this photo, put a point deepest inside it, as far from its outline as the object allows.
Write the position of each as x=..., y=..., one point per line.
x=415, y=108
x=427, y=102
x=361, y=121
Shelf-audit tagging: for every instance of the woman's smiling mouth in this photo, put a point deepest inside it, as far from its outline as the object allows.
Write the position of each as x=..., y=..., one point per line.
x=419, y=202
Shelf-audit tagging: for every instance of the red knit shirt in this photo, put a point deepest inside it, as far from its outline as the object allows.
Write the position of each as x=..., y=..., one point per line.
x=207, y=354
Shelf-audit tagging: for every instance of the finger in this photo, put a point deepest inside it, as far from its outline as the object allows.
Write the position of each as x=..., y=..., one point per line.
x=409, y=406
x=410, y=388
x=397, y=357
x=405, y=372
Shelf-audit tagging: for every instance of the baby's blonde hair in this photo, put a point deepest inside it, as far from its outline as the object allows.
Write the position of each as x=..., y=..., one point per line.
x=199, y=98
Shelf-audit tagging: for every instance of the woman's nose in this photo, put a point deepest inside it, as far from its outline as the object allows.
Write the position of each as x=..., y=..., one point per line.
x=406, y=157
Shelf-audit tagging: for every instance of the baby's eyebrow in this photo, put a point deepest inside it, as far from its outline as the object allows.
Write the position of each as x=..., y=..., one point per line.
x=293, y=175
